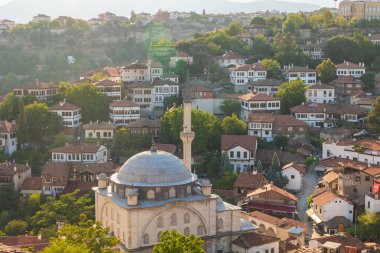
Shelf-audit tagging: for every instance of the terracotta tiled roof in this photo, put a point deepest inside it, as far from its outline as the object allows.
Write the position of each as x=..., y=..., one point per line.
x=251, y=240
x=288, y=120
x=345, y=239
x=200, y=89
x=266, y=82
x=8, y=168
x=250, y=180
x=55, y=169
x=64, y=106
x=374, y=36
x=111, y=71
x=372, y=171
x=7, y=127
x=97, y=168
x=10, y=249
x=144, y=123
x=245, y=141
x=77, y=147
x=231, y=55
x=329, y=108
x=365, y=102
x=107, y=82
x=257, y=97
x=23, y=241
x=301, y=168
x=330, y=177
x=325, y=197
x=297, y=69
x=320, y=86
x=124, y=103
x=360, y=95
x=262, y=117
x=99, y=125
x=32, y=184
x=372, y=144
x=271, y=187
x=83, y=187
x=136, y=65
x=337, y=221
x=155, y=64
x=348, y=65
x=346, y=80
x=246, y=67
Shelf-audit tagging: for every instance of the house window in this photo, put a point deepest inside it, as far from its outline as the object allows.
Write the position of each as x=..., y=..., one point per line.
x=245, y=154
x=238, y=154
x=272, y=250
x=369, y=205
x=367, y=178
x=219, y=224
x=160, y=222
x=231, y=154
x=292, y=177
x=146, y=239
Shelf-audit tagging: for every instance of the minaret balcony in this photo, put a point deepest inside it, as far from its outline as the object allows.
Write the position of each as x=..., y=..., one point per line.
x=187, y=136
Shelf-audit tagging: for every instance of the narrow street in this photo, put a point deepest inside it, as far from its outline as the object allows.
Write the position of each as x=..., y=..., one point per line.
x=310, y=180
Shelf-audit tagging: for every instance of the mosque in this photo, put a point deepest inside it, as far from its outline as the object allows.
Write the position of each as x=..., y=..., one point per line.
x=155, y=191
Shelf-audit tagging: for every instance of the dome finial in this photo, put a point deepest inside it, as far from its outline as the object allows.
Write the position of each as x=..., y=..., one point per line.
x=153, y=148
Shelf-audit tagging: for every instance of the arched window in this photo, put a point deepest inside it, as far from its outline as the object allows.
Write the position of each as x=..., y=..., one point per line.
x=186, y=218
x=150, y=194
x=200, y=230
x=146, y=239
x=173, y=219
x=188, y=190
x=219, y=224
x=186, y=232
x=159, y=236
x=160, y=222
x=172, y=192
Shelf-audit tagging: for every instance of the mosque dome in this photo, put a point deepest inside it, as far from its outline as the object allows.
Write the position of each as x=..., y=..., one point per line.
x=153, y=169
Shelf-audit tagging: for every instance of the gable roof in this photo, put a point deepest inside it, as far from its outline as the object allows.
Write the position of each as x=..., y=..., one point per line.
x=320, y=86
x=258, y=97
x=330, y=177
x=77, y=147
x=64, y=106
x=266, y=82
x=7, y=127
x=297, y=69
x=346, y=80
x=106, y=82
x=249, y=180
x=148, y=123
x=326, y=197
x=10, y=168
x=32, y=184
x=288, y=120
x=247, y=67
x=271, y=187
x=345, y=239
x=301, y=168
x=348, y=65
x=253, y=239
x=100, y=125
x=245, y=141
x=230, y=55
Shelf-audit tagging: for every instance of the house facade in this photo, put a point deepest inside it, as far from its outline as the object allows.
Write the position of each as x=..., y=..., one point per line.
x=163, y=89
x=346, y=87
x=295, y=173
x=111, y=89
x=350, y=69
x=292, y=73
x=241, y=75
x=82, y=153
x=142, y=95
x=268, y=87
x=14, y=173
x=124, y=112
x=230, y=58
x=256, y=243
x=99, y=130
x=320, y=93
x=44, y=92
x=71, y=114
x=8, y=137
x=256, y=102
x=135, y=72
x=241, y=151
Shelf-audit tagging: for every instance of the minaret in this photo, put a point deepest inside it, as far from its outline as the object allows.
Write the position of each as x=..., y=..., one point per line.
x=187, y=136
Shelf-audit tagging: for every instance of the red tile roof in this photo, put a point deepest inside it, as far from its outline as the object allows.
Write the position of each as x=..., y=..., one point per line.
x=345, y=239
x=64, y=106
x=288, y=120
x=7, y=127
x=346, y=80
x=170, y=148
x=247, y=67
x=301, y=168
x=257, y=97
x=8, y=168
x=320, y=86
x=271, y=187
x=348, y=65
x=136, y=65
x=124, y=103
x=77, y=147
x=245, y=141
x=231, y=55
x=329, y=108
x=250, y=180
x=111, y=71
x=23, y=241
x=106, y=82
x=326, y=197
x=250, y=240
x=330, y=177
x=32, y=184
x=57, y=169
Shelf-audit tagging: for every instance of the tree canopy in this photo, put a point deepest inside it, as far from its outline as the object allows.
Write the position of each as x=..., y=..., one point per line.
x=291, y=94
x=230, y=106
x=232, y=125
x=174, y=242
x=326, y=71
x=374, y=115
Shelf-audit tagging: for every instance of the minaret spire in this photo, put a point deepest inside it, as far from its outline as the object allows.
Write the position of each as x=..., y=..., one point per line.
x=187, y=136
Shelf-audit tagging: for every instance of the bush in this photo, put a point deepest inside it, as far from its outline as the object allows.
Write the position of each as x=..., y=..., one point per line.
x=16, y=227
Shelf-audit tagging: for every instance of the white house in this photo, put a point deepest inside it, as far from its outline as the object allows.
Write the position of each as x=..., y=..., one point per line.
x=374, y=38
x=294, y=172
x=327, y=205
x=99, y=130
x=307, y=75
x=70, y=59
x=80, y=152
x=135, y=72
x=163, y=89
x=110, y=88
x=363, y=150
x=230, y=58
x=123, y=112
x=8, y=137
x=241, y=75
x=320, y=93
x=350, y=69
x=241, y=151
x=14, y=173
x=71, y=114
x=181, y=56
x=256, y=243
x=256, y=102
x=155, y=70
x=269, y=87
x=372, y=203
x=174, y=15
x=170, y=76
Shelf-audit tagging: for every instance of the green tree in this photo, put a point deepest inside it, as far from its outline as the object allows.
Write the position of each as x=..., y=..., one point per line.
x=280, y=141
x=234, y=28
x=274, y=173
x=326, y=71
x=291, y=94
x=272, y=67
x=8, y=198
x=369, y=81
x=225, y=164
x=9, y=108
x=374, y=115
x=22, y=129
x=207, y=128
x=94, y=104
x=62, y=246
x=16, y=227
x=87, y=235
x=261, y=48
x=232, y=125
x=41, y=123
x=169, y=102
x=230, y=106
x=286, y=50
x=259, y=167
x=368, y=226
x=67, y=209
x=9, y=81
x=180, y=69
x=260, y=21
x=174, y=242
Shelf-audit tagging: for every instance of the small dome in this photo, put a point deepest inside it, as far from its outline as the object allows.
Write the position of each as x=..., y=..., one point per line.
x=153, y=169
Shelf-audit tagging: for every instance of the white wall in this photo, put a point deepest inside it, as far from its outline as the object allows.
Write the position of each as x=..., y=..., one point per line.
x=372, y=204
x=338, y=207
x=294, y=183
x=258, y=249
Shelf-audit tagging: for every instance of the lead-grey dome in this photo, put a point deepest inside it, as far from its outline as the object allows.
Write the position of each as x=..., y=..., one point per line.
x=153, y=168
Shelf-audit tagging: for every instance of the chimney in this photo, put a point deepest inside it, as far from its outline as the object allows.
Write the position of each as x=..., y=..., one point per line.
x=39, y=237
x=254, y=172
x=27, y=164
x=15, y=169
x=62, y=102
x=341, y=229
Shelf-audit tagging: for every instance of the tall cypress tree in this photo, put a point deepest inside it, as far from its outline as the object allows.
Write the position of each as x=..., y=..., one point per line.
x=22, y=130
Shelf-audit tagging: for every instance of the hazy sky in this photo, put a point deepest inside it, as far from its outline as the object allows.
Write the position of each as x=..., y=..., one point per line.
x=319, y=2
